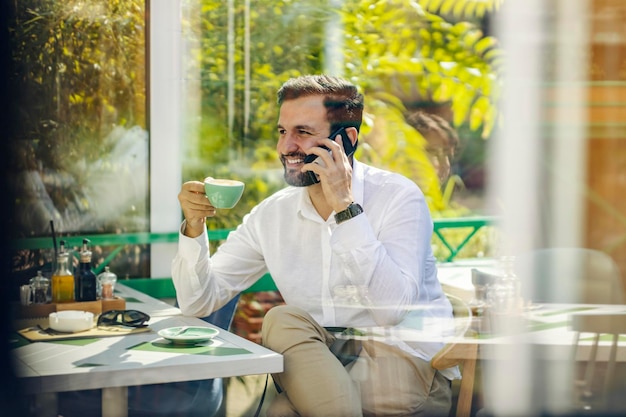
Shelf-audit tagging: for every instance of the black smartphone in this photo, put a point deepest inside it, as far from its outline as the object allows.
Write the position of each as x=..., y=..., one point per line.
x=347, y=146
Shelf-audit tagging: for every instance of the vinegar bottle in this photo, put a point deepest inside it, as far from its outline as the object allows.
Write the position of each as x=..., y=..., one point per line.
x=86, y=283
x=62, y=279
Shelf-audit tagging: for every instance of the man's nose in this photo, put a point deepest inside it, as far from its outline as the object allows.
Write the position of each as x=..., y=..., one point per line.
x=291, y=143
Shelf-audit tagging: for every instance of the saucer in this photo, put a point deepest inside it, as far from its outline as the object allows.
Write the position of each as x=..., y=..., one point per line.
x=188, y=334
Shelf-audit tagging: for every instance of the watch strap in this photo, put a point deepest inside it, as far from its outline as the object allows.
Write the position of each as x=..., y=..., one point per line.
x=351, y=211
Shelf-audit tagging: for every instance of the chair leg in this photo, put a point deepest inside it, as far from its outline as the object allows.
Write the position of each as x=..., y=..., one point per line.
x=466, y=390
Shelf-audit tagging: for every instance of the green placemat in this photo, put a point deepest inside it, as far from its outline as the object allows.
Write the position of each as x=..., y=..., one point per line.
x=566, y=311
x=604, y=338
x=535, y=326
x=17, y=340
x=76, y=342
x=199, y=349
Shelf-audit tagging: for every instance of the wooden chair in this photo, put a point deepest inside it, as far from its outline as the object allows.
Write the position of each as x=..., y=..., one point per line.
x=591, y=395
x=462, y=355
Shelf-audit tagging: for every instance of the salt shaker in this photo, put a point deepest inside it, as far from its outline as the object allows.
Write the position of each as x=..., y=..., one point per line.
x=39, y=288
x=106, y=281
x=25, y=295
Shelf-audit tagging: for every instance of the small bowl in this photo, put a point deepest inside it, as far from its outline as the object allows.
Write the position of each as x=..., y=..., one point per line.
x=71, y=321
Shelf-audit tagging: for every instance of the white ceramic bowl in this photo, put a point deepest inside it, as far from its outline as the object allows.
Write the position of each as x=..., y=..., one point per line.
x=71, y=321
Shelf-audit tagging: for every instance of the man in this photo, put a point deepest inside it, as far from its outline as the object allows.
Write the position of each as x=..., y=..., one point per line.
x=442, y=141
x=348, y=246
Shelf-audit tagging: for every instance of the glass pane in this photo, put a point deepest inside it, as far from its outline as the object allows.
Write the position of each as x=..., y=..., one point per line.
x=430, y=92
x=79, y=135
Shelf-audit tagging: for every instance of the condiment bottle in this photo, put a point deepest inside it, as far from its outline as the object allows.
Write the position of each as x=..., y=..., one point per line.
x=504, y=293
x=39, y=287
x=107, y=280
x=62, y=279
x=86, y=284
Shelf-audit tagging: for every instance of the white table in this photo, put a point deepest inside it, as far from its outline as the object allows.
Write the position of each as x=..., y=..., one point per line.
x=456, y=277
x=137, y=300
x=115, y=363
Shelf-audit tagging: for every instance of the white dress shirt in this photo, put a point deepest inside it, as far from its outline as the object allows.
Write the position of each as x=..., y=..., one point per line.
x=384, y=254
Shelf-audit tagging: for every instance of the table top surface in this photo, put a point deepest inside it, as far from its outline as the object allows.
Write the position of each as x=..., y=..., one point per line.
x=137, y=300
x=140, y=358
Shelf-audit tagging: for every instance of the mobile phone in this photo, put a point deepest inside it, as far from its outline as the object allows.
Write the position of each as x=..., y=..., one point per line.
x=347, y=146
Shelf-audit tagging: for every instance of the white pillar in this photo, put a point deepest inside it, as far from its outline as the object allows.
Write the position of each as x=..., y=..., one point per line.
x=165, y=128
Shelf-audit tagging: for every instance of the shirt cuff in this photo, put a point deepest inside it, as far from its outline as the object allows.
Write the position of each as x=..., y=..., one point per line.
x=192, y=248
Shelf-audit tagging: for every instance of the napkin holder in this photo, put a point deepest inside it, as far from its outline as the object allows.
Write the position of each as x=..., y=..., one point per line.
x=44, y=310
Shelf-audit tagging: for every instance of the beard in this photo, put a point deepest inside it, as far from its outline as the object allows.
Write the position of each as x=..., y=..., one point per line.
x=296, y=178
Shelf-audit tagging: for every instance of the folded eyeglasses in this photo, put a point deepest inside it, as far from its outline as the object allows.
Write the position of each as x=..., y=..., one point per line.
x=129, y=318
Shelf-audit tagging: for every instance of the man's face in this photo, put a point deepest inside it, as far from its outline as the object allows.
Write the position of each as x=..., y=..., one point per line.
x=302, y=124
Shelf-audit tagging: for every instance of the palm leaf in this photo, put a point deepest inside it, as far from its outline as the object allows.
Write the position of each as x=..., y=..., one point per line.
x=461, y=8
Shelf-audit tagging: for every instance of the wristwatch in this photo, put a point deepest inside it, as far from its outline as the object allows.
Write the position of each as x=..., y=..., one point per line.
x=353, y=210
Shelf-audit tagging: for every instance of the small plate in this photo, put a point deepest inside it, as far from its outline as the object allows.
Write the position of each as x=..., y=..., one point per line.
x=188, y=334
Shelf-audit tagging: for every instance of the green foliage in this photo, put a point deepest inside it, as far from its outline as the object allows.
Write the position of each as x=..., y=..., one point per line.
x=77, y=75
x=80, y=71
x=80, y=68
x=461, y=8
x=399, y=52
x=401, y=49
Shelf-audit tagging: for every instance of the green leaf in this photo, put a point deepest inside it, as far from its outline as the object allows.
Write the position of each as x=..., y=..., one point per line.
x=481, y=9
x=431, y=65
x=471, y=37
x=484, y=44
x=446, y=7
x=470, y=8
x=434, y=5
x=458, y=9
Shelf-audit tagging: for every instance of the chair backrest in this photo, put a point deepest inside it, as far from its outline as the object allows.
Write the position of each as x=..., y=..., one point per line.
x=590, y=394
x=460, y=354
x=223, y=317
x=570, y=275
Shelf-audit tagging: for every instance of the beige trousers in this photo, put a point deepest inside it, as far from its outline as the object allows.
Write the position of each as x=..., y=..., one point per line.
x=383, y=381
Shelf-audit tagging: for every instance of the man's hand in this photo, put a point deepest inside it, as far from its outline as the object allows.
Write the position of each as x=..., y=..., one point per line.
x=196, y=207
x=335, y=173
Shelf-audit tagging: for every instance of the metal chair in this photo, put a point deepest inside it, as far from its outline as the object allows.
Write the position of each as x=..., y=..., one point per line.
x=460, y=354
x=593, y=395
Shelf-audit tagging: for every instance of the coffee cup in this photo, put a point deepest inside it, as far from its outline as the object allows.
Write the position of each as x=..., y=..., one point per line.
x=223, y=193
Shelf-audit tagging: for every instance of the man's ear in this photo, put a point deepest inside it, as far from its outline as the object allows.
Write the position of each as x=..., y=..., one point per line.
x=353, y=134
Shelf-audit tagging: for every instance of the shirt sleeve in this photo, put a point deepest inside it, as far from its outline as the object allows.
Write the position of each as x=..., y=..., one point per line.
x=203, y=282
x=389, y=266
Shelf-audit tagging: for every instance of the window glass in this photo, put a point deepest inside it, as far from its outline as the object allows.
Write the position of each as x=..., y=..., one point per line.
x=79, y=136
x=430, y=81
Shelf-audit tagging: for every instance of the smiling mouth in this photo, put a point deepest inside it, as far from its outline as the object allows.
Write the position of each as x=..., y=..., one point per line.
x=292, y=160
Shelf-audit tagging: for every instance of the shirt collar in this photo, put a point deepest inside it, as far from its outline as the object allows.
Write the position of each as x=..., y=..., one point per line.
x=358, y=181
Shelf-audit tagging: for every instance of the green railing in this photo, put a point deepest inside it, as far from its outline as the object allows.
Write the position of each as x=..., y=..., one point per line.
x=163, y=288
x=472, y=223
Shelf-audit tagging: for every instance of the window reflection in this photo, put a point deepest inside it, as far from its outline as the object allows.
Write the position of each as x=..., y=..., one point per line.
x=80, y=140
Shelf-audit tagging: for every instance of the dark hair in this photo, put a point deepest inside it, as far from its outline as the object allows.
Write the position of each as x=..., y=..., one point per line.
x=343, y=102
x=445, y=136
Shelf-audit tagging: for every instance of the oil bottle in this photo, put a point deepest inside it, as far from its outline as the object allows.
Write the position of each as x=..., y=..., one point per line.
x=86, y=283
x=62, y=280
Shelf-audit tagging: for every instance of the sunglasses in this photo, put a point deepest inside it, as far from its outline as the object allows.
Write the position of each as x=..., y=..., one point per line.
x=129, y=318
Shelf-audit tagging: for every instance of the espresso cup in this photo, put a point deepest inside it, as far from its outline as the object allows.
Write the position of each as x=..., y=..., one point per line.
x=223, y=193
